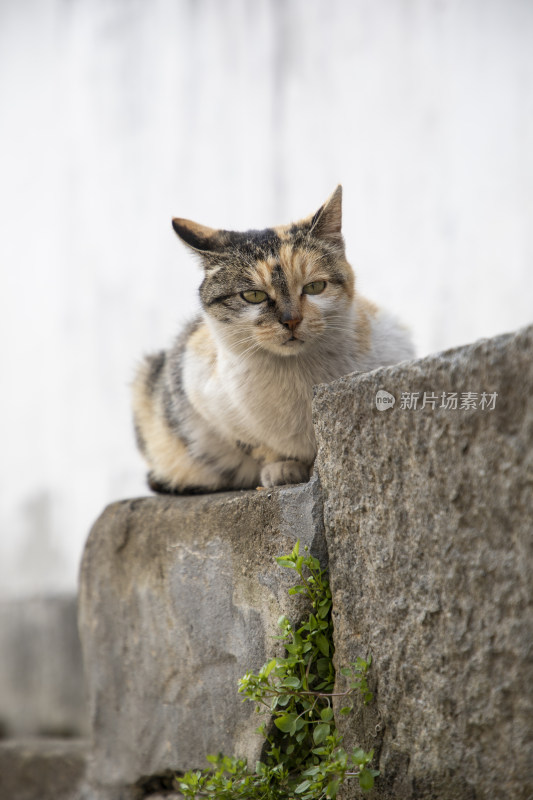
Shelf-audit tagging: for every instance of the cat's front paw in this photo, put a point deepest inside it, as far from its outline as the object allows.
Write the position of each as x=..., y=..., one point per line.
x=280, y=472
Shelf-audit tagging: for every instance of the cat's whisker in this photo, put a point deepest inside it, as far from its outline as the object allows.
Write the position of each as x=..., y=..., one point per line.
x=244, y=340
x=233, y=342
x=252, y=349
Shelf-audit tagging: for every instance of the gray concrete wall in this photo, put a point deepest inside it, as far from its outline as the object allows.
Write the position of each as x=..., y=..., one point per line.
x=118, y=115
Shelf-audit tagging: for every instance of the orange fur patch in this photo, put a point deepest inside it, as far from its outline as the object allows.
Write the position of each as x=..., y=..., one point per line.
x=283, y=232
x=201, y=342
x=365, y=311
x=264, y=271
x=168, y=457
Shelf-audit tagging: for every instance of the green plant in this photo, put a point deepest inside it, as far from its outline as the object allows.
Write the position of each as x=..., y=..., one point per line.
x=304, y=758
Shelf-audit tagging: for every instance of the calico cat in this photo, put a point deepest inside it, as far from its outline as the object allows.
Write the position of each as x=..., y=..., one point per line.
x=229, y=405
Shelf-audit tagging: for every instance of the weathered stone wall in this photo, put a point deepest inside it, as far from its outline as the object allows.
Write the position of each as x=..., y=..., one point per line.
x=428, y=517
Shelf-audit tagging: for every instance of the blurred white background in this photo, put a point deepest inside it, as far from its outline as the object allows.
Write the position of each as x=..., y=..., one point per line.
x=116, y=115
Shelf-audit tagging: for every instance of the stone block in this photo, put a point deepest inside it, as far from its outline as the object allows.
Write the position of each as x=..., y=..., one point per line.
x=42, y=769
x=179, y=597
x=41, y=673
x=428, y=519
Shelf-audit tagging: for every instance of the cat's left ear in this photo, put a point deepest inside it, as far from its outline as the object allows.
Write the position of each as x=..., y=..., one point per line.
x=327, y=222
x=200, y=238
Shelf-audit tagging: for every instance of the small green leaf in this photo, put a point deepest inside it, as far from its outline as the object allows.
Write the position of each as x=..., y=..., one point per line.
x=285, y=722
x=332, y=788
x=345, y=710
x=366, y=779
x=293, y=649
x=286, y=562
x=323, y=644
x=301, y=788
x=359, y=755
x=326, y=714
x=297, y=590
x=292, y=682
x=320, y=733
x=269, y=667
x=323, y=666
x=323, y=609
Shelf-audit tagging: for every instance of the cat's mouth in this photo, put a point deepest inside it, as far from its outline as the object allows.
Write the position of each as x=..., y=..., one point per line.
x=292, y=339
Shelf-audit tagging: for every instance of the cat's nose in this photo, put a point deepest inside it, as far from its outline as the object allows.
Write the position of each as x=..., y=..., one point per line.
x=290, y=320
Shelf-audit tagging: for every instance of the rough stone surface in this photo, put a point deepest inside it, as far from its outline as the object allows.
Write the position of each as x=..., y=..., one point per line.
x=41, y=674
x=179, y=597
x=428, y=517
x=42, y=769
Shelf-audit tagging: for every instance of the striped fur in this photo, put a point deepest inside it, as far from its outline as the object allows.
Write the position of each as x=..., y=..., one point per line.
x=229, y=405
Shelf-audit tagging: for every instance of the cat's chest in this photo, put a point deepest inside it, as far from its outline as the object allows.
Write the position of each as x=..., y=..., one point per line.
x=268, y=395
x=255, y=403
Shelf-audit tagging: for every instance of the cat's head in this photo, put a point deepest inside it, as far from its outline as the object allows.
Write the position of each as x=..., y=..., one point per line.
x=281, y=289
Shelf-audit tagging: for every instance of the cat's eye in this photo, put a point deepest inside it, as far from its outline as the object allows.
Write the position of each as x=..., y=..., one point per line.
x=315, y=287
x=254, y=296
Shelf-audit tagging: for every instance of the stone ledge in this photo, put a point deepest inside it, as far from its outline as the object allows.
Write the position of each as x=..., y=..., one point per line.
x=179, y=597
x=41, y=673
x=42, y=769
x=428, y=518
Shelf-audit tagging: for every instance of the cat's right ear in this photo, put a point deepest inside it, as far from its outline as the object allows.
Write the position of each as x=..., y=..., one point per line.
x=200, y=238
x=327, y=222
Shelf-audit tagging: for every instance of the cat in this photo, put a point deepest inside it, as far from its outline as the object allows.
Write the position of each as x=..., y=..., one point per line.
x=229, y=405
